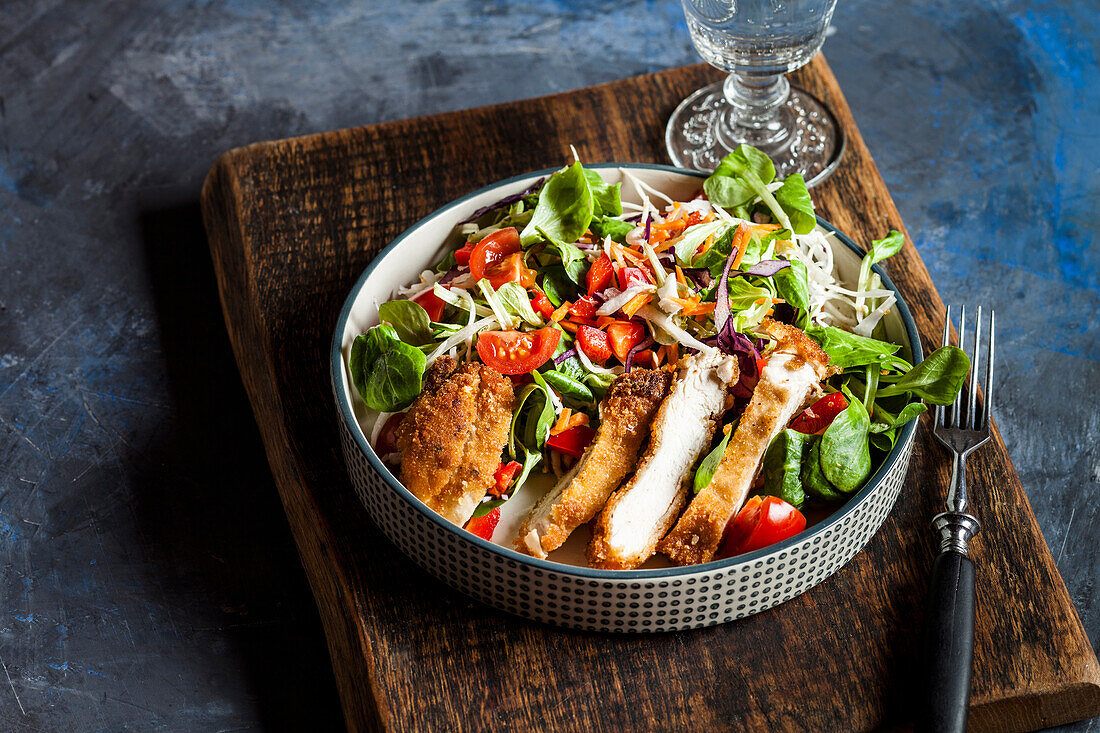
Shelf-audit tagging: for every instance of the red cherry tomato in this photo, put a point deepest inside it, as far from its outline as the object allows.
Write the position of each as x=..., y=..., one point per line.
x=763, y=521
x=483, y=527
x=541, y=304
x=498, y=258
x=600, y=274
x=624, y=336
x=585, y=307
x=504, y=475
x=517, y=352
x=432, y=303
x=572, y=441
x=462, y=254
x=819, y=415
x=629, y=276
x=387, y=439
x=595, y=343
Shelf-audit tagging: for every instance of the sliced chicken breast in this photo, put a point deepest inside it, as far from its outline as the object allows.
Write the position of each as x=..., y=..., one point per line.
x=625, y=417
x=790, y=380
x=453, y=435
x=638, y=514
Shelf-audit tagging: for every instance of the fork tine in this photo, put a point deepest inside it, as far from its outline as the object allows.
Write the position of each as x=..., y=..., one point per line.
x=946, y=340
x=975, y=364
x=956, y=406
x=988, y=406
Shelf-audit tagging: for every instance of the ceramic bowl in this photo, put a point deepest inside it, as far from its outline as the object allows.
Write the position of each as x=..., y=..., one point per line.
x=561, y=590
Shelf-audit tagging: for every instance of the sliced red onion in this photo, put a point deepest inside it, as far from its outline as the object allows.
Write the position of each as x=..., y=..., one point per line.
x=632, y=217
x=605, y=295
x=506, y=201
x=637, y=349
x=563, y=356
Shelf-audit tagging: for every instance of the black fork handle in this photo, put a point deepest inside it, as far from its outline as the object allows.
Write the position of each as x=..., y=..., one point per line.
x=948, y=644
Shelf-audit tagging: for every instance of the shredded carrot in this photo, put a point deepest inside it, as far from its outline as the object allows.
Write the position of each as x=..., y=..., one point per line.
x=603, y=321
x=760, y=301
x=561, y=312
x=634, y=304
x=577, y=419
x=563, y=421
x=740, y=244
x=569, y=326
x=636, y=257
x=765, y=227
x=698, y=309
x=667, y=244
x=771, y=312
x=680, y=276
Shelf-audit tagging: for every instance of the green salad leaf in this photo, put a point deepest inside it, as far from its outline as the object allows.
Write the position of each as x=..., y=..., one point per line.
x=386, y=371
x=937, y=379
x=606, y=197
x=694, y=236
x=844, y=453
x=557, y=286
x=605, y=226
x=569, y=387
x=782, y=467
x=794, y=197
x=792, y=284
x=813, y=478
x=848, y=350
x=514, y=298
x=409, y=319
x=709, y=465
x=564, y=210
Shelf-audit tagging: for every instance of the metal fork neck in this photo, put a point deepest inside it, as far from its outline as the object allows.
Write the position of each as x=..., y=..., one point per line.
x=955, y=526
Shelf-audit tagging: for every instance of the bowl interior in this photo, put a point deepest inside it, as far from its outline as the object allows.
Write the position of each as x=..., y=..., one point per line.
x=427, y=241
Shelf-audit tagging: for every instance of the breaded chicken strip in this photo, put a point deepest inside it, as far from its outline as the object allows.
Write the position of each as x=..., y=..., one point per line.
x=790, y=380
x=453, y=435
x=638, y=514
x=625, y=417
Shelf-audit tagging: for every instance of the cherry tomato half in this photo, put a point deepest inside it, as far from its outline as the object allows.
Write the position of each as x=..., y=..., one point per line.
x=517, y=352
x=484, y=526
x=624, y=336
x=600, y=274
x=499, y=259
x=595, y=343
x=763, y=521
x=432, y=303
x=387, y=439
x=572, y=441
x=819, y=415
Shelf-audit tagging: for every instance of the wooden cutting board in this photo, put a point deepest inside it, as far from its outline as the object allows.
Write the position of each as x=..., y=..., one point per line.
x=293, y=223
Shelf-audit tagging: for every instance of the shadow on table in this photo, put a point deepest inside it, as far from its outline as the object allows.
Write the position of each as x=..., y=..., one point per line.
x=226, y=548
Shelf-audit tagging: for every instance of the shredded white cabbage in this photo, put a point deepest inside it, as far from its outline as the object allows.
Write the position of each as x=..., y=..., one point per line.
x=595, y=368
x=616, y=302
x=666, y=323
x=465, y=334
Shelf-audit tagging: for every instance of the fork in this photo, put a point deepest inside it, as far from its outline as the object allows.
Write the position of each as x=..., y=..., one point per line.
x=949, y=618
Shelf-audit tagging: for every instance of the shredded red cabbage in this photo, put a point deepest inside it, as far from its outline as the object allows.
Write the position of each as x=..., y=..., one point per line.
x=700, y=276
x=648, y=222
x=765, y=268
x=722, y=296
x=639, y=348
x=563, y=356
x=452, y=273
x=506, y=201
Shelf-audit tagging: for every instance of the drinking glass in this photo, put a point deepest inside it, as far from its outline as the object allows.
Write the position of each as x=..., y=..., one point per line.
x=756, y=42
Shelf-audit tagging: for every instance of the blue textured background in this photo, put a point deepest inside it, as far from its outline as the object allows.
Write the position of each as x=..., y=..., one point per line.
x=147, y=576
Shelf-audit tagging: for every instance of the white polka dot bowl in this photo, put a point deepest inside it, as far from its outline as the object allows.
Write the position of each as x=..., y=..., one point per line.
x=562, y=590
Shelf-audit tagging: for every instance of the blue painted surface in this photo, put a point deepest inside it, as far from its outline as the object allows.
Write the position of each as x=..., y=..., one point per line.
x=147, y=576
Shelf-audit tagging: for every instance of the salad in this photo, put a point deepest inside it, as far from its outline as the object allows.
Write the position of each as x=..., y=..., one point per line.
x=691, y=374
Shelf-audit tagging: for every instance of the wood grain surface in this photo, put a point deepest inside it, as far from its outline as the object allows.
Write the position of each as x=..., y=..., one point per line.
x=293, y=223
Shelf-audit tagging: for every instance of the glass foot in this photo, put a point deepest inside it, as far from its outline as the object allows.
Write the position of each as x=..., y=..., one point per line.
x=807, y=139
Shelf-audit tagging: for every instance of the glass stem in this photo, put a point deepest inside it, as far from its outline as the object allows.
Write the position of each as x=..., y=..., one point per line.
x=755, y=105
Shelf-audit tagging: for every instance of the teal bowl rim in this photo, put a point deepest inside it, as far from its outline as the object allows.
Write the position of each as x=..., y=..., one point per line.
x=348, y=416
